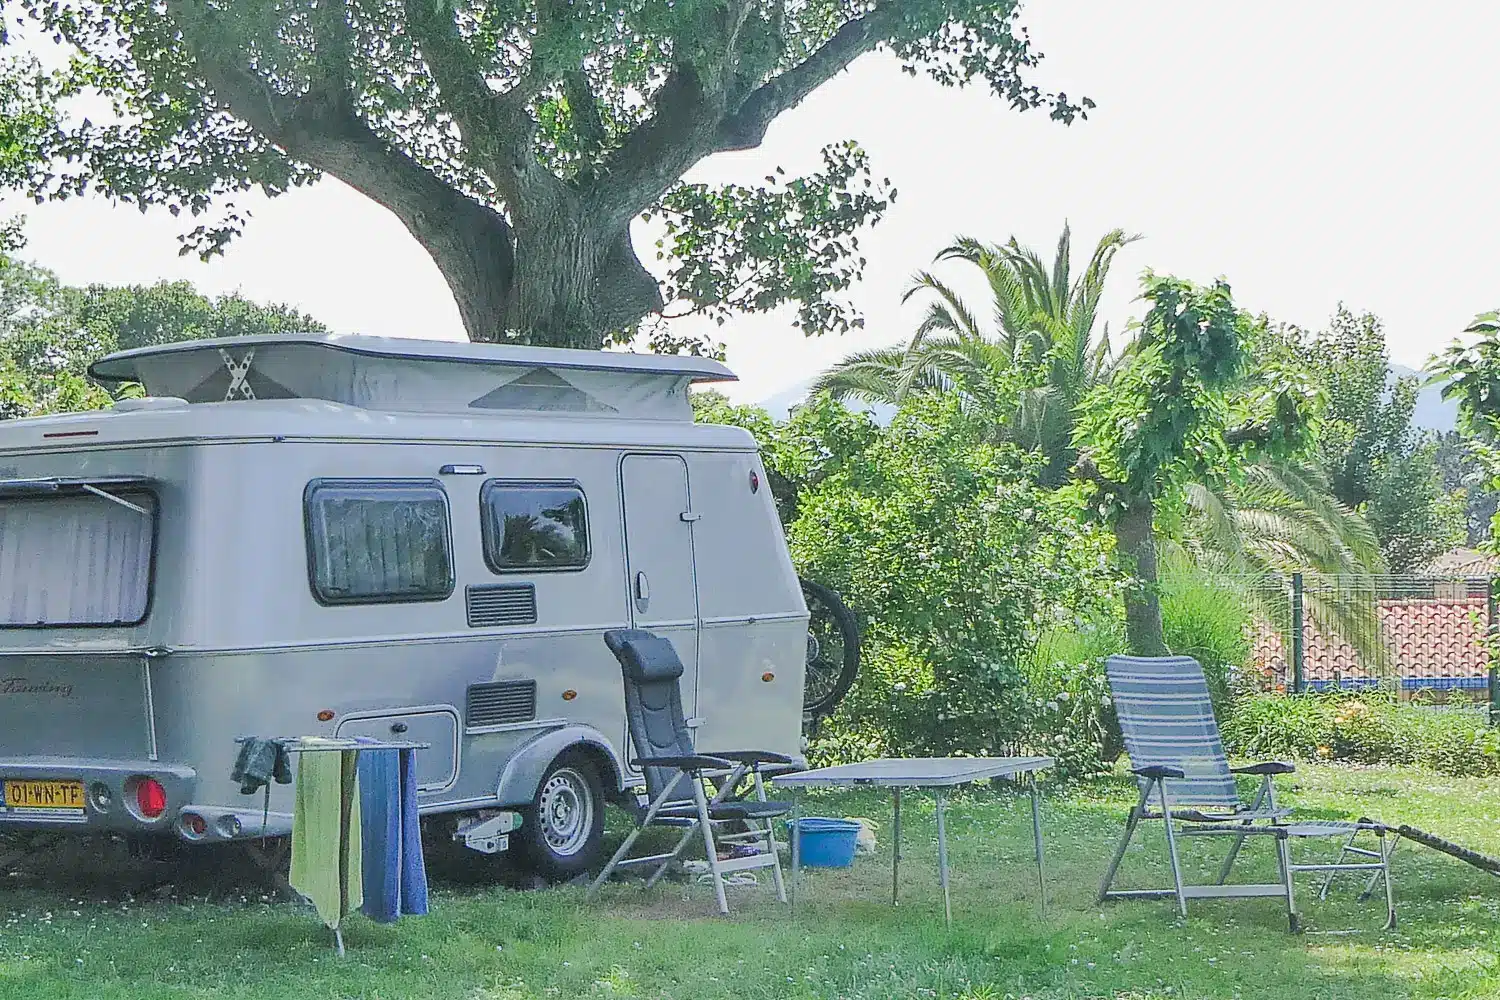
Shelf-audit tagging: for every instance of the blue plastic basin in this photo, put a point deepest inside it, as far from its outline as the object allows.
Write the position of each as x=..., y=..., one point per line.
x=825, y=843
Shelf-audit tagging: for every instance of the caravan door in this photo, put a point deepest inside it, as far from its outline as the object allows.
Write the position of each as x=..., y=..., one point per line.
x=662, y=584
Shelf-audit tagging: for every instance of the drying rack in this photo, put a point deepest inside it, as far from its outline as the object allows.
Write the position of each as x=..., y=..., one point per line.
x=326, y=744
x=312, y=744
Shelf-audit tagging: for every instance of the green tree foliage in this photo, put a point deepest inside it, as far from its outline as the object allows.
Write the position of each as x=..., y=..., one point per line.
x=954, y=559
x=1376, y=461
x=516, y=141
x=1470, y=373
x=817, y=439
x=50, y=333
x=1181, y=410
x=41, y=366
x=1465, y=483
x=28, y=113
x=1028, y=375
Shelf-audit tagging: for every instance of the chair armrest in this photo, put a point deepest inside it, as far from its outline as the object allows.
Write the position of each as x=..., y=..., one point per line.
x=1158, y=771
x=753, y=756
x=1265, y=767
x=685, y=762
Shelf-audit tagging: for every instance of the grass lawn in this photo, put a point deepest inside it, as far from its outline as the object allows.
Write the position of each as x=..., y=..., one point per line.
x=484, y=943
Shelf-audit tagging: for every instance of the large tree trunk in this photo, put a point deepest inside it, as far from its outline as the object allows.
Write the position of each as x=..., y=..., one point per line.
x=572, y=286
x=1135, y=537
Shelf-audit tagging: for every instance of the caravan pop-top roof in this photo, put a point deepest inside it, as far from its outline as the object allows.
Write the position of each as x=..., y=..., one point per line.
x=386, y=373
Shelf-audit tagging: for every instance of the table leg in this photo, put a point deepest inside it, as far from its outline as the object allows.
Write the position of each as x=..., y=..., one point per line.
x=1036, y=840
x=796, y=847
x=943, y=859
x=895, y=844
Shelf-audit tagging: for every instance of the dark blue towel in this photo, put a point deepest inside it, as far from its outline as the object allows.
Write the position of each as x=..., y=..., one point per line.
x=395, y=876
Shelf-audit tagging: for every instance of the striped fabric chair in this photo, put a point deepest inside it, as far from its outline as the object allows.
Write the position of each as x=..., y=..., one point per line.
x=1178, y=759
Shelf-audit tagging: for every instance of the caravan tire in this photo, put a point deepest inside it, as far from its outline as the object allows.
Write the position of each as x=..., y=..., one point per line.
x=562, y=834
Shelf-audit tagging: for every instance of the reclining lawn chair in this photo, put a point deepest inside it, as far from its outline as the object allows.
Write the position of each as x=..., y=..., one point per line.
x=675, y=773
x=1176, y=755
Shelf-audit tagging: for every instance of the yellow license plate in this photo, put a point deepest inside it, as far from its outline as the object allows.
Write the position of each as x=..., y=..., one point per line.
x=48, y=795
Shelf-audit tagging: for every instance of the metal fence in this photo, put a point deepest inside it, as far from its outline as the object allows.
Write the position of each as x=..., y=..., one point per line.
x=1427, y=638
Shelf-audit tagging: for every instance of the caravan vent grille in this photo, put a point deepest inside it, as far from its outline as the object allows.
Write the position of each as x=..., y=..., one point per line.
x=501, y=702
x=502, y=604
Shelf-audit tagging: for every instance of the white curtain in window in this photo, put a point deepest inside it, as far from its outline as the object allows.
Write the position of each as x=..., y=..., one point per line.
x=74, y=560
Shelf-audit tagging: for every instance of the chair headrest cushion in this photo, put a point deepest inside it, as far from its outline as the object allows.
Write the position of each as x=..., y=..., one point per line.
x=644, y=656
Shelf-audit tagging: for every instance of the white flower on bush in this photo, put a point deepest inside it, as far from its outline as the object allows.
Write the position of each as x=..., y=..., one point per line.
x=1062, y=696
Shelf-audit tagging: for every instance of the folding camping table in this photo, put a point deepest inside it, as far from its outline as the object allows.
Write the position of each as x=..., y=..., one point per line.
x=936, y=773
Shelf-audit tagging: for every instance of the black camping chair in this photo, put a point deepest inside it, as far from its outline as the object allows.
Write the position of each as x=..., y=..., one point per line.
x=675, y=773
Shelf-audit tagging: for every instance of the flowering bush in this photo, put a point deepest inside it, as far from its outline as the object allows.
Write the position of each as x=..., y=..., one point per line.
x=1363, y=729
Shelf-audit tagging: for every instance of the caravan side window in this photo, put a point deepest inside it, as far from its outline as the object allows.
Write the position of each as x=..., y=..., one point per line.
x=378, y=541
x=534, y=526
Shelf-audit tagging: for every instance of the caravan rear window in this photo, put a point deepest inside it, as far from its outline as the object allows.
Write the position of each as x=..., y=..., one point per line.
x=378, y=542
x=534, y=526
x=76, y=560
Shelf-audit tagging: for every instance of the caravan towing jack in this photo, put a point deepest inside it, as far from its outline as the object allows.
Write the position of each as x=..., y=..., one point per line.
x=487, y=832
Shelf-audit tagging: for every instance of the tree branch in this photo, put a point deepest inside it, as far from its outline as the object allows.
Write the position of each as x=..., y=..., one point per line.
x=694, y=115
x=657, y=152
x=1088, y=471
x=497, y=127
x=1245, y=434
x=746, y=128
x=584, y=107
x=471, y=243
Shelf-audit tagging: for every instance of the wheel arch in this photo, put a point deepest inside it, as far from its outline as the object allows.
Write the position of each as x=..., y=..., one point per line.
x=523, y=772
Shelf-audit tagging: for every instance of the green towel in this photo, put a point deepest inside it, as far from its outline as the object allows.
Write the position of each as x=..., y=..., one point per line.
x=326, y=834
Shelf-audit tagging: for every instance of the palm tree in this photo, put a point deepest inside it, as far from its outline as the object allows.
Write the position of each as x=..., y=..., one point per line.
x=1044, y=336
x=1281, y=518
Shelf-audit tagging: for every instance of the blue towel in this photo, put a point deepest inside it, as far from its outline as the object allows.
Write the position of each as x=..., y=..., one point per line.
x=395, y=875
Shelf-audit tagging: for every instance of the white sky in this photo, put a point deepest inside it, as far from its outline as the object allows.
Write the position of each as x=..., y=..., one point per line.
x=1312, y=152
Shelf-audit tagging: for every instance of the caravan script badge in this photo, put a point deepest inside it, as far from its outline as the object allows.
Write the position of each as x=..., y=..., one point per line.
x=20, y=685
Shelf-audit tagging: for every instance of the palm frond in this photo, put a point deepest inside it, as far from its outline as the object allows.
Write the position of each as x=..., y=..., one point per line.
x=1061, y=265
x=874, y=376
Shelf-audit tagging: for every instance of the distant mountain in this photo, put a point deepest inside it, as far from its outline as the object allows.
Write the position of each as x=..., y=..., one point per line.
x=1432, y=412
x=780, y=404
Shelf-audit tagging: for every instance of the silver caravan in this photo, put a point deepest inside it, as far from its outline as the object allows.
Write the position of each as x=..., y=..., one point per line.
x=357, y=536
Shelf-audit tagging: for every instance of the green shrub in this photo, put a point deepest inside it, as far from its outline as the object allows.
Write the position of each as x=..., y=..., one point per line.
x=956, y=561
x=1206, y=615
x=1362, y=729
x=1072, y=718
x=1203, y=615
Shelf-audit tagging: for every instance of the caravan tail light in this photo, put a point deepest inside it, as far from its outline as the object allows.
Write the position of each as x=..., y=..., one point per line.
x=150, y=798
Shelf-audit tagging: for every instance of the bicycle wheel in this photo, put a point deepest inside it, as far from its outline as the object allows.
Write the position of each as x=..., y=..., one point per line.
x=832, y=650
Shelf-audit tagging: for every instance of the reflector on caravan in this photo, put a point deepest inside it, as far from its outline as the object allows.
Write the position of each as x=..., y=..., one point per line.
x=383, y=373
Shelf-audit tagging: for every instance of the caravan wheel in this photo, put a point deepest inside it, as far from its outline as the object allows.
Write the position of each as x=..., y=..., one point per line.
x=563, y=831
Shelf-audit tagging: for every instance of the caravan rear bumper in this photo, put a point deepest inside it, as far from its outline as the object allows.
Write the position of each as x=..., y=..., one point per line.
x=109, y=800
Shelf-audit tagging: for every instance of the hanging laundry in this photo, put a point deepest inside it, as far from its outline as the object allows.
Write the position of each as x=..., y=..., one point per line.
x=395, y=875
x=326, y=834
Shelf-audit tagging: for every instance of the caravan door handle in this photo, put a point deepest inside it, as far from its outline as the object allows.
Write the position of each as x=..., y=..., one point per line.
x=642, y=588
